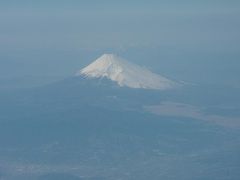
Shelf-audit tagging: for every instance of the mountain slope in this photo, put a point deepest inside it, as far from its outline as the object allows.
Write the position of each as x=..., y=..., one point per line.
x=125, y=73
x=93, y=128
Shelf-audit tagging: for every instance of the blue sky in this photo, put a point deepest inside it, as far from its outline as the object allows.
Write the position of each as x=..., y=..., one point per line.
x=37, y=36
x=91, y=25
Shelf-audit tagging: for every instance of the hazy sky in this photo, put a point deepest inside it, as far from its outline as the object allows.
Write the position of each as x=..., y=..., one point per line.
x=55, y=38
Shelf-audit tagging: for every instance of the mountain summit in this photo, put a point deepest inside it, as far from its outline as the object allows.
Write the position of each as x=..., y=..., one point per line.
x=125, y=73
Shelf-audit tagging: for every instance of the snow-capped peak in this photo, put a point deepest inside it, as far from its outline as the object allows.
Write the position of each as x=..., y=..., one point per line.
x=125, y=73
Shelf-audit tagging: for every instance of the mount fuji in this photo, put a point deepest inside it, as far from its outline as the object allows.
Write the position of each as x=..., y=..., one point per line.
x=112, y=121
x=125, y=73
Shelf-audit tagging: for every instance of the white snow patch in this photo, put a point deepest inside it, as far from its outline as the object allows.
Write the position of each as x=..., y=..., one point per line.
x=125, y=73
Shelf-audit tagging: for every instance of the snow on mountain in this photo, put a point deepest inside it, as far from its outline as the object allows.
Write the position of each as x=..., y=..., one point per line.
x=125, y=73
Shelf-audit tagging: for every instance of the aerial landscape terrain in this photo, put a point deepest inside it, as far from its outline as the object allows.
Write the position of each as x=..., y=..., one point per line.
x=111, y=90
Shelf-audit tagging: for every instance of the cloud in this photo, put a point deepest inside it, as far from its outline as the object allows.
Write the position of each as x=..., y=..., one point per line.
x=185, y=110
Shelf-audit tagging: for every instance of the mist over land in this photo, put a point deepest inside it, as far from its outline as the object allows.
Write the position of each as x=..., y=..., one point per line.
x=113, y=121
